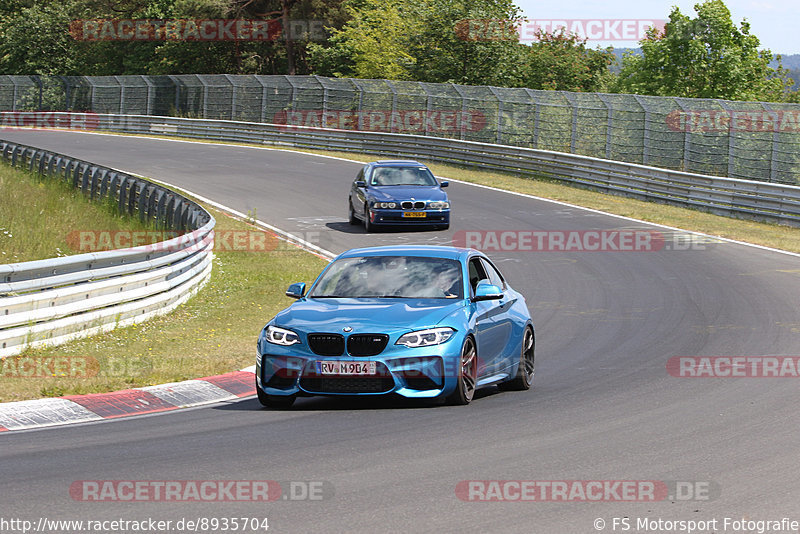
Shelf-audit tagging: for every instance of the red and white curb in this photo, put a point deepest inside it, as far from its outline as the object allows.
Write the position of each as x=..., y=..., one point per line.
x=22, y=415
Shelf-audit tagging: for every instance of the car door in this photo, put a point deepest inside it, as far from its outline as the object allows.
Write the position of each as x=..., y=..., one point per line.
x=358, y=195
x=503, y=336
x=489, y=335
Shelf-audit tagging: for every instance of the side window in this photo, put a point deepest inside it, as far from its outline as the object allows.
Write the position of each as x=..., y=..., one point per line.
x=476, y=273
x=360, y=175
x=493, y=274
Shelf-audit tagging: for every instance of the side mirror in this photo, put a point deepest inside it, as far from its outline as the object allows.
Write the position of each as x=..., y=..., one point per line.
x=296, y=291
x=361, y=183
x=444, y=184
x=487, y=291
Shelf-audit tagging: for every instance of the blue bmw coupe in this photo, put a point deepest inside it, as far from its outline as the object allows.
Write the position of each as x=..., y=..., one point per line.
x=416, y=321
x=398, y=192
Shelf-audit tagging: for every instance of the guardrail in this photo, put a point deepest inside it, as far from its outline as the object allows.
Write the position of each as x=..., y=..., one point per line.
x=54, y=300
x=757, y=200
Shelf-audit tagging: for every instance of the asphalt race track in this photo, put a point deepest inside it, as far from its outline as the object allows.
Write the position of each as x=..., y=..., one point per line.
x=603, y=407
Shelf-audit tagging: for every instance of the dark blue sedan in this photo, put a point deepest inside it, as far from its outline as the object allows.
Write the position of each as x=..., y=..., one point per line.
x=398, y=193
x=415, y=321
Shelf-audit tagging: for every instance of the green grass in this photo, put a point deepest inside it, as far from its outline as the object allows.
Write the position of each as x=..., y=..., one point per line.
x=39, y=217
x=214, y=332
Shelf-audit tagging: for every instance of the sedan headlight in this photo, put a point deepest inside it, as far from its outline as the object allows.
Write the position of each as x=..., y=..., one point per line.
x=384, y=205
x=426, y=338
x=437, y=205
x=281, y=336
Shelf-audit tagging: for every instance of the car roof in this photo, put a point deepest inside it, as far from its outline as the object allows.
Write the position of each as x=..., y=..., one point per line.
x=396, y=163
x=429, y=251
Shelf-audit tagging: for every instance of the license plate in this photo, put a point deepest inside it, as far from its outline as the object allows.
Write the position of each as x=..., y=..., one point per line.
x=418, y=214
x=345, y=368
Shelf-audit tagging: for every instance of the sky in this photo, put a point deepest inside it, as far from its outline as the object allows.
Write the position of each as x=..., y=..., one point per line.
x=774, y=22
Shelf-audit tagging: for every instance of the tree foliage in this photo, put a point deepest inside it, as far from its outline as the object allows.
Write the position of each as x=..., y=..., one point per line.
x=703, y=57
x=562, y=62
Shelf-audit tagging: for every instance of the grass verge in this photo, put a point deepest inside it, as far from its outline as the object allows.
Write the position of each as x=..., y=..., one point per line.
x=212, y=333
x=53, y=212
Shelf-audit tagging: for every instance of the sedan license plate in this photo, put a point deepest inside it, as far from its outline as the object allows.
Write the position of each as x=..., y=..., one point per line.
x=346, y=368
x=418, y=214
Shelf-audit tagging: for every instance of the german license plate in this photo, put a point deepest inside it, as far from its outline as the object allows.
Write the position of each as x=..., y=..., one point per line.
x=333, y=367
x=415, y=214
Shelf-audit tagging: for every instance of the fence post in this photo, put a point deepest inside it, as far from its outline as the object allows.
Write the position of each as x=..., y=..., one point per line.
x=731, y=139
x=687, y=142
x=773, y=162
x=233, y=96
x=645, y=131
x=463, y=110
x=394, y=105
x=609, y=123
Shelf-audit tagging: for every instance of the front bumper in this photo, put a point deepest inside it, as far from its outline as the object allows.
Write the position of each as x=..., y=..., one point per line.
x=410, y=372
x=395, y=216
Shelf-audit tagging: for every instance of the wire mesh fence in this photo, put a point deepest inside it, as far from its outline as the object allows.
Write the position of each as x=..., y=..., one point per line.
x=749, y=140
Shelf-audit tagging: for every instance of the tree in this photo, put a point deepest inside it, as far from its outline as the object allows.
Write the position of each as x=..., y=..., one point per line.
x=561, y=61
x=372, y=44
x=426, y=40
x=34, y=40
x=705, y=57
x=471, y=42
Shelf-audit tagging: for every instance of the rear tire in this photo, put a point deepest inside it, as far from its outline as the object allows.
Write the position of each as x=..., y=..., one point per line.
x=467, y=375
x=524, y=378
x=274, y=401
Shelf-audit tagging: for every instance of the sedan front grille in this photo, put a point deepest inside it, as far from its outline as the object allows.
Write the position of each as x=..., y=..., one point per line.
x=366, y=344
x=418, y=205
x=326, y=344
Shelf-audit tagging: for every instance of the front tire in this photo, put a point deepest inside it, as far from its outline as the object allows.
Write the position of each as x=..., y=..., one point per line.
x=368, y=226
x=467, y=375
x=524, y=378
x=280, y=402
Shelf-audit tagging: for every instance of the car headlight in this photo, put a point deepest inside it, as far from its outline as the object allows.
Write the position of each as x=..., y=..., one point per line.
x=384, y=205
x=281, y=336
x=426, y=338
x=437, y=205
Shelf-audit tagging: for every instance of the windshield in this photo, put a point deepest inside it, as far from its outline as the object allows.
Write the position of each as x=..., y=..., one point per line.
x=391, y=277
x=402, y=176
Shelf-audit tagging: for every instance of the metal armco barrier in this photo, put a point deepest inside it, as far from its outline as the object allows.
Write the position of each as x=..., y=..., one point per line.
x=52, y=301
x=762, y=201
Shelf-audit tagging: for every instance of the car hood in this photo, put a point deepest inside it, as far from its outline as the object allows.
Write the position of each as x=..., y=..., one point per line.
x=365, y=315
x=406, y=192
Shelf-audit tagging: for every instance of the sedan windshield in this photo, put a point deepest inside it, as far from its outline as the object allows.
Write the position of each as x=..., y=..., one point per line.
x=402, y=176
x=391, y=277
